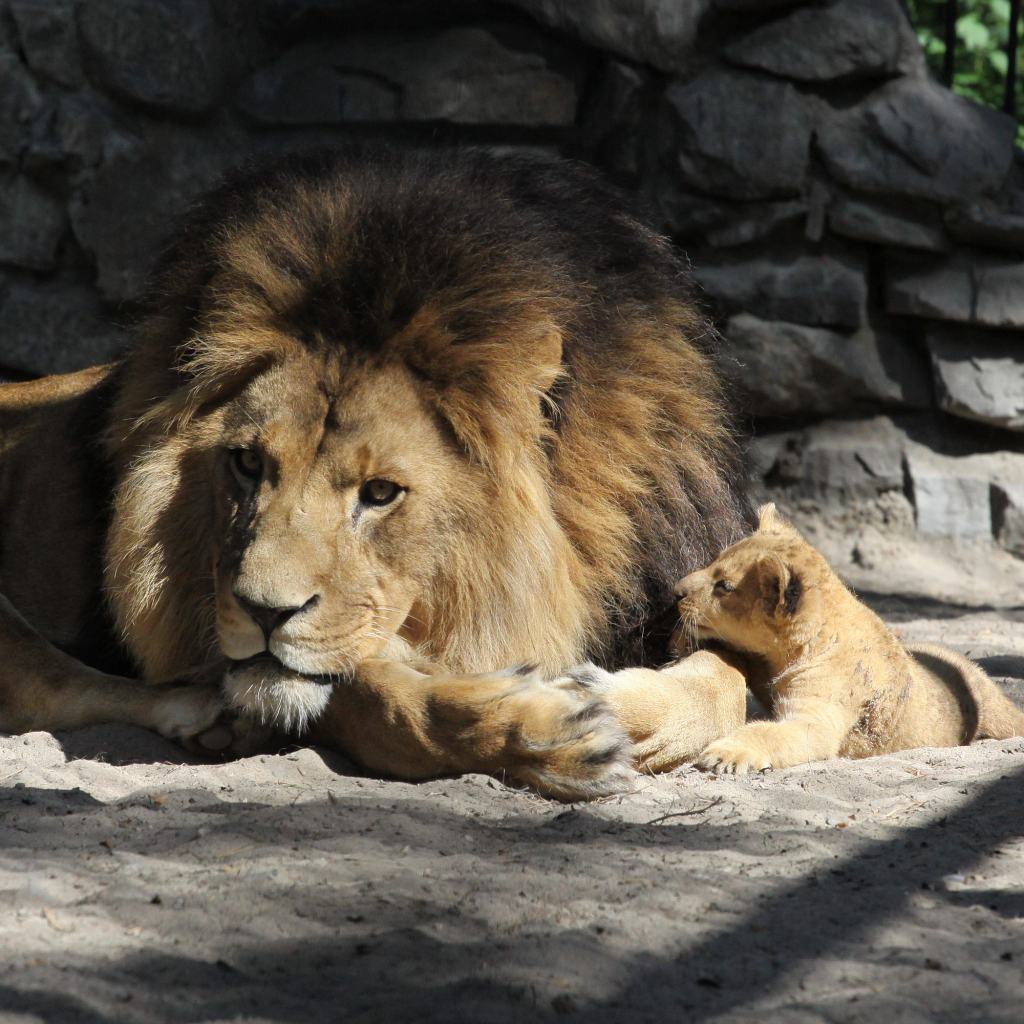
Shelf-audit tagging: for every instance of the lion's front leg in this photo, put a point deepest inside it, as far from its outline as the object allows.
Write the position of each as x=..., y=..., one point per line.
x=672, y=714
x=557, y=736
x=43, y=688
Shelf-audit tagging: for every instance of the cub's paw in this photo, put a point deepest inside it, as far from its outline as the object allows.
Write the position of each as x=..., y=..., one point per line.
x=733, y=756
x=180, y=711
x=564, y=740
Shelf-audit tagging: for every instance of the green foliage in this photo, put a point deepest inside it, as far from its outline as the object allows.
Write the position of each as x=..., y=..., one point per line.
x=982, y=29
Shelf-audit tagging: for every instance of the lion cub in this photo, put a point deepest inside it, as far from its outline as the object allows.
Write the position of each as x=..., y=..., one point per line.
x=840, y=682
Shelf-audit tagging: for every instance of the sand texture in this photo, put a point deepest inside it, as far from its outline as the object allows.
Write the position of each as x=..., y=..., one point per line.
x=291, y=889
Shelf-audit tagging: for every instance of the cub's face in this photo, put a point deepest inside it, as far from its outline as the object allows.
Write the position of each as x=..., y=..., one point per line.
x=750, y=596
x=335, y=487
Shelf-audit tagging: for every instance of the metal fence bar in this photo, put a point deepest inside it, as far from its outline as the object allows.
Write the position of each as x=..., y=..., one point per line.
x=1010, y=96
x=949, y=57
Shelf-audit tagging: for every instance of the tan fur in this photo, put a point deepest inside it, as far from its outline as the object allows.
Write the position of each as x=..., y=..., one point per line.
x=558, y=436
x=841, y=683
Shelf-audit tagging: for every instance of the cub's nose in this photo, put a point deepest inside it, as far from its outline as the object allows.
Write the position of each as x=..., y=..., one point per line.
x=268, y=617
x=680, y=590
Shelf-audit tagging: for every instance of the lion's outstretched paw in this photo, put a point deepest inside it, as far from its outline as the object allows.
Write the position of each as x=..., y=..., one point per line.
x=733, y=756
x=565, y=741
x=182, y=710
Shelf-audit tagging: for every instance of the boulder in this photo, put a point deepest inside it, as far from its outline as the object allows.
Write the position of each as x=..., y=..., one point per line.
x=160, y=53
x=979, y=375
x=54, y=327
x=1008, y=516
x=869, y=222
x=983, y=222
x=463, y=75
x=20, y=103
x=822, y=291
x=784, y=369
x=122, y=209
x=939, y=289
x=743, y=136
x=48, y=35
x=999, y=300
x=656, y=32
x=915, y=138
x=838, y=460
x=755, y=6
x=748, y=222
x=950, y=496
x=31, y=224
x=850, y=39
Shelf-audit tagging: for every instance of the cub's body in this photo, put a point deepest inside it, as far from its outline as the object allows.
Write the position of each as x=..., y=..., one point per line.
x=841, y=683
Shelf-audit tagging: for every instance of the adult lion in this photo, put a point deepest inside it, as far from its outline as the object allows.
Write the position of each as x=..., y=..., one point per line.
x=385, y=411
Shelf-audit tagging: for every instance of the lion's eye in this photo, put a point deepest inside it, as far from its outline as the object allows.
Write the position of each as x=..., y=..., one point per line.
x=246, y=463
x=379, y=492
x=723, y=587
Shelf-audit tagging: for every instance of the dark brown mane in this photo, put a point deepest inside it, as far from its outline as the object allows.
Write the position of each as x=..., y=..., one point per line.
x=547, y=322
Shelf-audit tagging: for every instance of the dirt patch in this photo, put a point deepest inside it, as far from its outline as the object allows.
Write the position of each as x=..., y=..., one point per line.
x=289, y=888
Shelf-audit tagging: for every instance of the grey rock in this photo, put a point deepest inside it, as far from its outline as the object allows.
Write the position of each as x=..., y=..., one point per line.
x=462, y=75
x=49, y=38
x=850, y=38
x=743, y=136
x=787, y=369
x=942, y=290
x=54, y=328
x=161, y=53
x=868, y=222
x=842, y=459
x=1000, y=293
x=31, y=224
x=950, y=498
x=750, y=221
x=979, y=375
x=983, y=222
x=756, y=6
x=915, y=138
x=86, y=132
x=656, y=32
x=826, y=291
x=124, y=207
x=1008, y=516
x=20, y=103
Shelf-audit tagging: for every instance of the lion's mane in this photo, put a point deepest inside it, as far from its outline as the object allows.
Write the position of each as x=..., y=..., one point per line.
x=554, y=335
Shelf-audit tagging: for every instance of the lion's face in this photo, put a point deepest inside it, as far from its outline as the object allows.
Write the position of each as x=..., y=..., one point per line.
x=333, y=485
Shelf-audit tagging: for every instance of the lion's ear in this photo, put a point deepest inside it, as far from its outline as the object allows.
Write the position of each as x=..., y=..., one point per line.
x=782, y=588
x=491, y=378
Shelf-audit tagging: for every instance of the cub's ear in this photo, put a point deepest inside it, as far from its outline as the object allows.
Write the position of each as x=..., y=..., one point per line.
x=781, y=588
x=769, y=519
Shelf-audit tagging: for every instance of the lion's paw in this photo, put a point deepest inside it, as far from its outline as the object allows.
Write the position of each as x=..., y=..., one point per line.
x=566, y=743
x=183, y=710
x=733, y=756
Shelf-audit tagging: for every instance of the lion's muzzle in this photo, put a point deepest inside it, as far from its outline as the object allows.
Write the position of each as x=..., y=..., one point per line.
x=268, y=690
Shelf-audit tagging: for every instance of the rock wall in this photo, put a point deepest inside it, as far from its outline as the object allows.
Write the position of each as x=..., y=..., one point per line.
x=857, y=229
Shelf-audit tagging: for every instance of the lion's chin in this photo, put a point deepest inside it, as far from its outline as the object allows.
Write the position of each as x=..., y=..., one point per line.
x=269, y=691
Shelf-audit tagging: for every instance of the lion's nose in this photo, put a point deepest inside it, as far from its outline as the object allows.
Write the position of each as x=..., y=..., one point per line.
x=269, y=617
x=680, y=589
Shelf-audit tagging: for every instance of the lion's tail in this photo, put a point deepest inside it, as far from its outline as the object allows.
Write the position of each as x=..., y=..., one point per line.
x=989, y=713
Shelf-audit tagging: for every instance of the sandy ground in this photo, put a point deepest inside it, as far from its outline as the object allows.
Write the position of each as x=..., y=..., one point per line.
x=290, y=889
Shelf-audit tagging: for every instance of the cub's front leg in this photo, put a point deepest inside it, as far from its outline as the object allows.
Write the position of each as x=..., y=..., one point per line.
x=811, y=729
x=558, y=737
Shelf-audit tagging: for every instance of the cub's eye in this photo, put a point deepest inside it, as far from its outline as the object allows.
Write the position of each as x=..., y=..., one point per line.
x=246, y=463
x=379, y=492
x=723, y=587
